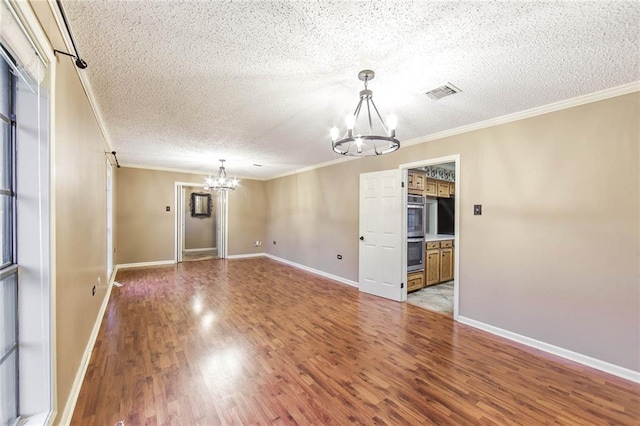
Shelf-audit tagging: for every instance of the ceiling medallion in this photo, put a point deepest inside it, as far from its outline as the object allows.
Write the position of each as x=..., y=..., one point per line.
x=221, y=182
x=361, y=144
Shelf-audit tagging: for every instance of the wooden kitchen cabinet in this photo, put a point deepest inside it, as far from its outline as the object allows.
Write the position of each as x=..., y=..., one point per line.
x=446, y=264
x=438, y=262
x=432, y=267
x=416, y=183
x=431, y=187
x=452, y=188
x=415, y=280
x=443, y=189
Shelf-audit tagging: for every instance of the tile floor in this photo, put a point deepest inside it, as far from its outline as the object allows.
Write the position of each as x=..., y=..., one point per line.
x=199, y=255
x=437, y=298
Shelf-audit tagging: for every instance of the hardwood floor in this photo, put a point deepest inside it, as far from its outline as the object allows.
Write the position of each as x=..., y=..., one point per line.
x=254, y=341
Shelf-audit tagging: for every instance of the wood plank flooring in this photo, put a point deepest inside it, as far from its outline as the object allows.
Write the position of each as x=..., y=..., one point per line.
x=254, y=341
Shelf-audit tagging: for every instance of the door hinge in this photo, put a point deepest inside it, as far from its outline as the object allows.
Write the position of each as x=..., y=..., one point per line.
x=401, y=285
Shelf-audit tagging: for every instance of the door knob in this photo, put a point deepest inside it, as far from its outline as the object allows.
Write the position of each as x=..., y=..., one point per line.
x=361, y=238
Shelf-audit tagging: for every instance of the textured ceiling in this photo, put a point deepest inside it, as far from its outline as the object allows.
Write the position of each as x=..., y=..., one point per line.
x=182, y=84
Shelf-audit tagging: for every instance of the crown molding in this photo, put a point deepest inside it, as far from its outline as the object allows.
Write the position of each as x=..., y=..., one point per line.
x=556, y=106
x=185, y=171
x=341, y=159
x=533, y=112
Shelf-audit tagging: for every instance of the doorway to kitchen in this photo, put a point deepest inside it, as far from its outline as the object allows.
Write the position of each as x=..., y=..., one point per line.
x=200, y=223
x=431, y=222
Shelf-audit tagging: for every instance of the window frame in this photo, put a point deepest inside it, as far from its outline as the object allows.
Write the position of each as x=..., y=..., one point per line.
x=10, y=267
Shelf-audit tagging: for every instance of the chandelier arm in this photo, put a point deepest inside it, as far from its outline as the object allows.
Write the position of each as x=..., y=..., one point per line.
x=356, y=114
x=380, y=117
x=369, y=115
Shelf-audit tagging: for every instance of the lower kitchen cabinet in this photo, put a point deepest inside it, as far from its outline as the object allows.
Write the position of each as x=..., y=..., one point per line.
x=438, y=262
x=432, y=264
x=446, y=264
x=415, y=281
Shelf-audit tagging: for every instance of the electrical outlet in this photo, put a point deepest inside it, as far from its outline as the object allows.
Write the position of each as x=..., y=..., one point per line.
x=274, y=242
x=93, y=291
x=477, y=209
x=168, y=208
x=257, y=243
x=339, y=257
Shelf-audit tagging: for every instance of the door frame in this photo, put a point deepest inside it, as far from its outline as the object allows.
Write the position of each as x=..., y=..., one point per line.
x=222, y=219
x=455, y=158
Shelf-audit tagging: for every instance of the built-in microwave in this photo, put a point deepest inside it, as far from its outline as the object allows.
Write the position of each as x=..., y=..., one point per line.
x=415, y=254
x=415, y=216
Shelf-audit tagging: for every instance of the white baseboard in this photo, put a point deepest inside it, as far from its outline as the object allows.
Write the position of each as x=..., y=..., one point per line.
x=313, y=271
x=613, y=369
x=197, y=250
x=143, y=264
x=67, y=413
x=244, y=256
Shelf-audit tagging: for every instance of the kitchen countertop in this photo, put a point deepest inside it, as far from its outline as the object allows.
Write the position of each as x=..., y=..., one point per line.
x=438, y=237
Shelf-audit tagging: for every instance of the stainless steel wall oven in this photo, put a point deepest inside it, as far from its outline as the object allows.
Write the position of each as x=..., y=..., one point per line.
x=415, y=216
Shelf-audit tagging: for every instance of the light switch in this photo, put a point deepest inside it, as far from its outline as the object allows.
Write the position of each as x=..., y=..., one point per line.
x=477, y=209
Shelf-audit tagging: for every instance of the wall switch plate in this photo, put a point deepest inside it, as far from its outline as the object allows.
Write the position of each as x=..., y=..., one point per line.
x=339, y=257
x=477, y=209
x=168, y=208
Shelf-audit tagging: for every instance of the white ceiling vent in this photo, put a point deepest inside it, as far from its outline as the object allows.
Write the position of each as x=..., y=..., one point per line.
x=442, y=91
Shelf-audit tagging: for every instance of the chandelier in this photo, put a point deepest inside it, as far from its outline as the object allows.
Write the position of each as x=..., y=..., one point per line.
x=361, y=144
x=221, y=182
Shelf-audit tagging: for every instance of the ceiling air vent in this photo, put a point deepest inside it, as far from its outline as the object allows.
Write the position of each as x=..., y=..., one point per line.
x=442, y=91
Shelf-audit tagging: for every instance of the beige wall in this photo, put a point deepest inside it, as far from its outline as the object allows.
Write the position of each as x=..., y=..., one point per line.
x=199, y=232
x=555, y=255
x=78, y=190
x=146, y=231
x=247, y=217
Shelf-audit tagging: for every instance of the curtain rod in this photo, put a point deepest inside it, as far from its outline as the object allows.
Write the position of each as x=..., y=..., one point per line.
x=80, y=63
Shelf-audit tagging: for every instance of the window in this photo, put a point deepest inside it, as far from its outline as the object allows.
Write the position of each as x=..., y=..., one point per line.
x=9, y=392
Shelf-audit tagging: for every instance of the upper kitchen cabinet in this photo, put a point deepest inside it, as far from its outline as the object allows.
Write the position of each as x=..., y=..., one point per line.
x=431, y=188
x=443, y=189
x=416, y=183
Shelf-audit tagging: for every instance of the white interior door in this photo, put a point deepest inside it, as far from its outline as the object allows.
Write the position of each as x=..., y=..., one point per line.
x=380, y=258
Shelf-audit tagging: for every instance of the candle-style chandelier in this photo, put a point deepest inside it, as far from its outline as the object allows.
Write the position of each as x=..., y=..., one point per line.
x=221, y=181
x=365, y=144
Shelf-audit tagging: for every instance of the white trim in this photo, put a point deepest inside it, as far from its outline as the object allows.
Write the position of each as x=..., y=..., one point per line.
x=455, y=158
x=313, y=271
x=184, y=171
x=544, y=109
x=341, y=159
x=84, y=80
x=223, y=200
x=34, y=30
x=53, y=236
x=199, y=249
x=607, y=367
x=67, y=413
x=146, y=264
x=246, y=256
